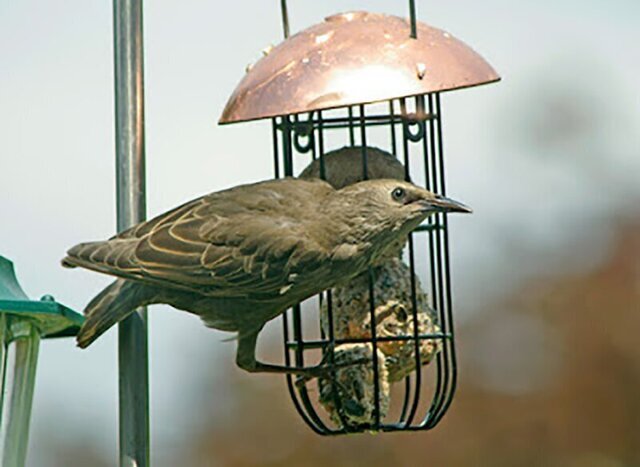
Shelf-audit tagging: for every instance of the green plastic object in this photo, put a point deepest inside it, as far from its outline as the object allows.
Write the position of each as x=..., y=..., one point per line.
x=23, y=323
x=51, y=318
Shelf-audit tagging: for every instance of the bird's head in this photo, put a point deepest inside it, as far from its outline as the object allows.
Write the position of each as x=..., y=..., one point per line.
x=383, y=210
x=343, y=167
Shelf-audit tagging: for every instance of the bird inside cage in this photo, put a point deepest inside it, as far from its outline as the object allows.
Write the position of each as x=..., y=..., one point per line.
x=395, y=293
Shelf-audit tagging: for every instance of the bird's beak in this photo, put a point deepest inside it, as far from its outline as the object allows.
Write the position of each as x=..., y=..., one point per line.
x=443, y=204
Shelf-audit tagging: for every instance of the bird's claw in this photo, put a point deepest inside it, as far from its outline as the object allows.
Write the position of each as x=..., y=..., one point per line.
x=326, y=369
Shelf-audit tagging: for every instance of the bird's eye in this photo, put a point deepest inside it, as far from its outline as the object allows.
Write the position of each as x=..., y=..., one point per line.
x=398, y=194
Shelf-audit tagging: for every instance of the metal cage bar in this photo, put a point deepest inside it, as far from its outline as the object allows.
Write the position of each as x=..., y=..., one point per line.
x=417, y=378
x=428, y=147
x=448, y=322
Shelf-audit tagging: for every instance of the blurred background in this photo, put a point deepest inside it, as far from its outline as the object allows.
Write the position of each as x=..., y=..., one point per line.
x=547, y=270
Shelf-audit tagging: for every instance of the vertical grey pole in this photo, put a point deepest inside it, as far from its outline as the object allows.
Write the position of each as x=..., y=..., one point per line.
x=130, y=179
x=15, y=436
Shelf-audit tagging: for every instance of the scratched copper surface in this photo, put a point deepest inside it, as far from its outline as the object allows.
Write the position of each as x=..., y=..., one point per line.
x=354, y=58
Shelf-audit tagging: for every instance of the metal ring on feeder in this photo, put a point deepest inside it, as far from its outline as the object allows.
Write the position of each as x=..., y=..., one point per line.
x=303, y=130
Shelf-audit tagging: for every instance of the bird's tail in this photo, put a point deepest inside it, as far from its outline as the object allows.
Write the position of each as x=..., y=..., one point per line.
x=109, y=307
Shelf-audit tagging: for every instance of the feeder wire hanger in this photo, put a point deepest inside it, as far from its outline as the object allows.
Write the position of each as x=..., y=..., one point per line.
x=285, y=18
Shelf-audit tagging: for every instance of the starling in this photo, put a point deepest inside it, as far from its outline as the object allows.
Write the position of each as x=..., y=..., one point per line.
x=344, y=167
x=240, y=257
x=353, y=397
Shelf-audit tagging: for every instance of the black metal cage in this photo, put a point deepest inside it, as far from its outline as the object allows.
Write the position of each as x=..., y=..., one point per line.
x=371, y=85
x=297, y=137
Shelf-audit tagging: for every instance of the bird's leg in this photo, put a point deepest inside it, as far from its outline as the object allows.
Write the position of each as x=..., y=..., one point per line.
x=246, y=359
x=326, y=368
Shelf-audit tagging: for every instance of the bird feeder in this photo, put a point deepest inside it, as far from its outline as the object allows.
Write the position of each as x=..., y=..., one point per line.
x=23, y=323
x=362, y=79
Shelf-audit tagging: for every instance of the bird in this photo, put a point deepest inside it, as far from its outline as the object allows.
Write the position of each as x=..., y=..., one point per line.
x=344, y=166
x=240, y=257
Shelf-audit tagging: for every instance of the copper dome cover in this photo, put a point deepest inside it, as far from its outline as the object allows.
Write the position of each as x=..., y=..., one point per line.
x=354, y=58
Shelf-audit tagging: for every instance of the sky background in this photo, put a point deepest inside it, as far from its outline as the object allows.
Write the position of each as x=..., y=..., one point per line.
x=543, y=203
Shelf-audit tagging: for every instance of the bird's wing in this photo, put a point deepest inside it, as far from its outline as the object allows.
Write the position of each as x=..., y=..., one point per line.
x=250, y=240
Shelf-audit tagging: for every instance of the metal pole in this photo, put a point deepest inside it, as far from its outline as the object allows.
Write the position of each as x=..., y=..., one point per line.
x=15, y=437
x=130, y=179
x=285, y=18
x=413, y=20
